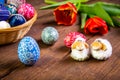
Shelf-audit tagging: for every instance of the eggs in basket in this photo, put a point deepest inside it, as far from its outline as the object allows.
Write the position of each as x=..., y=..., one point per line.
x=15, y=21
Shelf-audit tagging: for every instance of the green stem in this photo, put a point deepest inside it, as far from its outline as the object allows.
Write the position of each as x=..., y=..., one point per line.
x=83, y=19
x=116, y=21
x=50, y=2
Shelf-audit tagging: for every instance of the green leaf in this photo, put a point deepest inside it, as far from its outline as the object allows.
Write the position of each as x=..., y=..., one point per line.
x=113, y=11
x=96, y=9
x=53, y=5
x=99, y=11
x=50, y=1
x=110, y=4
x=78, y=1
x=91, y=15
x=116, y=21
x=78, y=6
x=118, y=17
x=83, y=19
x=85, y=8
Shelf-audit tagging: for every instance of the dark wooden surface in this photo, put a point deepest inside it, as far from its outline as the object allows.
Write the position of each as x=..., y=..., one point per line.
x=55, y=62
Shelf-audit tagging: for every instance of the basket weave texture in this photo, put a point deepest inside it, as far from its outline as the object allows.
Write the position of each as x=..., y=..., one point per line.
x=13, y=34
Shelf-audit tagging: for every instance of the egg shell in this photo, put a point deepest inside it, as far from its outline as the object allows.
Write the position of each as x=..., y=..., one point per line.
x=4, y=25
x=17, y=3
x=49, y=35
x=27, y=10
x=72, y=36
x=2, y=1
x=28, y=51
x=12, y=8
x=16, y=20
x=4, y=13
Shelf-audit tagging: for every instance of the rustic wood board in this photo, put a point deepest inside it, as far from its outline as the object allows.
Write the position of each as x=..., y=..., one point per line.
x=55, y=62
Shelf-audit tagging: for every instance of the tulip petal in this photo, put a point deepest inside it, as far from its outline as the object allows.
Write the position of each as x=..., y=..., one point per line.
x=95, y=25
x=65, y=14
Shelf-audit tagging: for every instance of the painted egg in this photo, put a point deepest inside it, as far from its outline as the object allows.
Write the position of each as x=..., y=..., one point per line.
x=2, y=1
x=49, y=35
x=16, y=20
x=27, y=10
x=4, y=13
x=28, y=51
x=16, y=2
x=4, y=25
x=12, y=8
x=71, y=37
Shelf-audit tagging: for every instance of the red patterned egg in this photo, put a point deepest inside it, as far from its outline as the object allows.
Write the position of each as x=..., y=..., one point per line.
x=27, y=10
x=71, y=37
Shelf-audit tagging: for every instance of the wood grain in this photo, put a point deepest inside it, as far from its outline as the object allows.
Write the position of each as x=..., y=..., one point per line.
x=55, y=62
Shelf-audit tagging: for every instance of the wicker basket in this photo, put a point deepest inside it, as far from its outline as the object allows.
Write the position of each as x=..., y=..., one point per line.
x=13, y=34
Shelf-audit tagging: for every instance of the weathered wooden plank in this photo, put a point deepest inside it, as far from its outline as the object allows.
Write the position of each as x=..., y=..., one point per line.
x=55, y=62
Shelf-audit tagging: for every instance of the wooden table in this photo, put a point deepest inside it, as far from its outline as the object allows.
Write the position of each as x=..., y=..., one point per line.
x=55, y=62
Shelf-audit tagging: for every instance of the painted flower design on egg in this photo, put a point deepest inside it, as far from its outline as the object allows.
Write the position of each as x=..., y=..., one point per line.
x=28, y=51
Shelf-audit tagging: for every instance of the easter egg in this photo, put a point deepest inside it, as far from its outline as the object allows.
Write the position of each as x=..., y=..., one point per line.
x=2, y=1
x=4, y=25
x=16, y=2
x=4, y=13
x=71, y=37
x=49, y=35
x=12, y=8
x=27, y=10
x=28, y=51
x=16, y=20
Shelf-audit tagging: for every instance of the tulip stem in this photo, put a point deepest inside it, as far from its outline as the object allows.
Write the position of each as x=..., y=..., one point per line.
x=50, y=2
x=83, y=19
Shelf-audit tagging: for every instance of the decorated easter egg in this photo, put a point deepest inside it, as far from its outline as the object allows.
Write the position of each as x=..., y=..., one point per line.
x=16, y=20
x=27, y=10
x=12, y=8
x=28, y=51
x=71, y=37
x=2, y=1
x=4, y=13
x=4, y=25
x=16, y=2
x=49, y=35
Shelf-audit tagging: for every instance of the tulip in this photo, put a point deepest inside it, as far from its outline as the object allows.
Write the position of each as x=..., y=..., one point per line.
x=95, y=25
x=65, y=14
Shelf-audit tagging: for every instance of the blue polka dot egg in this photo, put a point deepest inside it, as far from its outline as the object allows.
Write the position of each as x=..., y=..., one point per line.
x=49, y=35
x=28, y=51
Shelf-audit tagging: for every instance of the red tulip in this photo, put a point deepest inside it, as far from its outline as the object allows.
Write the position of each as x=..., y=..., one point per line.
x=95, y=25
x=66, y=14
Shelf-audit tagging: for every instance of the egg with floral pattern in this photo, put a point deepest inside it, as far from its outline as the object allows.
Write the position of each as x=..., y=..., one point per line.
x=27, y=10
x=28, y=51
x=49, y=35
